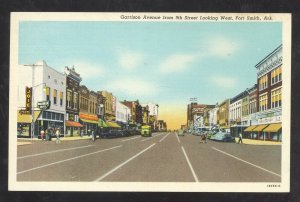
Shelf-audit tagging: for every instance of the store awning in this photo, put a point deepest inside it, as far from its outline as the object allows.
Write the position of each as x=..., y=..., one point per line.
x=273, y=127
x=260, y=128
x=26, y=118
x=249, y=129
x=112, y=125
x=73, y=123
x=102, y=123
x=89, y=121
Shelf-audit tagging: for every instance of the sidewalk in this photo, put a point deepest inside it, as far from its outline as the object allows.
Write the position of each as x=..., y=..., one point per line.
x=257, y=142
x=26, y=141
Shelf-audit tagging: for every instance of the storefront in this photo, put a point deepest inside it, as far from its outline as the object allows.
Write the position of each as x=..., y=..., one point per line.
x=259, y=133
x=274, y=132
x=49, y=119
x=89, y=123
x=24, y=123
x=73, y=128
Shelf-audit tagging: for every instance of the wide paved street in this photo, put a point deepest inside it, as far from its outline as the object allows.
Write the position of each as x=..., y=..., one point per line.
x=165, y=157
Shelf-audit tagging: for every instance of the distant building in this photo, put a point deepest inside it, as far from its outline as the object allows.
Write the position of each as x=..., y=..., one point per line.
x=223, y=114
x=123, y=114
x=109, y=106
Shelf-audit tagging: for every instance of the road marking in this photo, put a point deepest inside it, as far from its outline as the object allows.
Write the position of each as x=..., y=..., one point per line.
x=50, y=152
x=190, y=165
x=77, y=157
x=149, y=138
x=246, y=162
x=130, y=139
x=122, y=164
x=177, y=138
x=162, y=139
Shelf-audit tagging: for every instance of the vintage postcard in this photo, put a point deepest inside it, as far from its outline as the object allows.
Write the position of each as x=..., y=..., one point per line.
x=173, y=102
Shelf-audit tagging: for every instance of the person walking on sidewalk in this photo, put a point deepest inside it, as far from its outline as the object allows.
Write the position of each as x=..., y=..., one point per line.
x=240, y=139
x=42, y=135
x=57, y=133
x=93, y=135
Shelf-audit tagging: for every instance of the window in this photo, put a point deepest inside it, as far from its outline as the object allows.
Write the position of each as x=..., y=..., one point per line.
x=252, y=106
x=54, y=96
x=68, y=99
x=263, y=102
x=48, y=93
x=276, y=98
x=276, y=75
x=61, y=94
x=75, y=98
x=263, y=82
x=67, y=116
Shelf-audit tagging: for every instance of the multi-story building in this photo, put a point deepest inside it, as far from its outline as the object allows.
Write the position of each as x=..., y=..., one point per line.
x=109, y=105
x=132, y=105
x=40, y=85
x=153, y=114
x=72, y=102
x=87, y=110
x=195, y=113
x=235, y=112
x=213, y=116
x=145, y=112
x=123, y=114
x=206, y=114
x=223, y=114
x=249, y=112
x=162, y=125
x=269, y=108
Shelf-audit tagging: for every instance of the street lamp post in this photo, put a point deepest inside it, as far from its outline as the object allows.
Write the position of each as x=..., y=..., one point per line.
x=32, y=98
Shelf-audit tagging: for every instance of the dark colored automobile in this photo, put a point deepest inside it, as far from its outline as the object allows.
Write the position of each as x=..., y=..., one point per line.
x=222, y=137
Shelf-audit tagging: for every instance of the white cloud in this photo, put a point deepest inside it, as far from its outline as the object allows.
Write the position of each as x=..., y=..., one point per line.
x=224, y=81
x=88, y=70
x=133, y=87
x=130, y=60
x=177, y=62
x=222, y=47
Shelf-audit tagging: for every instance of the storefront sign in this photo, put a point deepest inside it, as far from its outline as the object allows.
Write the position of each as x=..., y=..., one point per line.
x=28, y=96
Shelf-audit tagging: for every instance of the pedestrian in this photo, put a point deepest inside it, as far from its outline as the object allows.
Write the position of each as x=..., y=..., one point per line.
x=42, y=134
x=93, y=135
x=46, y=134
x=240, y=139
x=81, y=133
x=57, y=133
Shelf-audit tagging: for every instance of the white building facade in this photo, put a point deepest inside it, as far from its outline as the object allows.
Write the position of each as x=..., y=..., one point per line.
x=47, y=85
x=123, y=114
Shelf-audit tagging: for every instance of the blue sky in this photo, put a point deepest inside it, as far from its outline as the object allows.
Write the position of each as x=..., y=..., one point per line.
x=161, y=62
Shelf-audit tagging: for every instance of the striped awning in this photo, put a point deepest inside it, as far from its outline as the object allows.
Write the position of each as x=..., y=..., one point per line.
x=273, y=127
x=89, y=121
x=112, y=125
x=26, y=118
x=73, y=123
x=260, y=128
x=250, y=128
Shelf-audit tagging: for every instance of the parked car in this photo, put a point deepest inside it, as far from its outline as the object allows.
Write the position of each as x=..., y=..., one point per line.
x=222, y=137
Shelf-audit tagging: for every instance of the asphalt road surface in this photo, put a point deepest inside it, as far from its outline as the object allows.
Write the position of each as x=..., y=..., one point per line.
x=164, y=157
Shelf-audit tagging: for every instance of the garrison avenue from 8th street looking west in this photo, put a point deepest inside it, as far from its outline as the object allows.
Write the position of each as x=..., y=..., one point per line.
x=129, y=134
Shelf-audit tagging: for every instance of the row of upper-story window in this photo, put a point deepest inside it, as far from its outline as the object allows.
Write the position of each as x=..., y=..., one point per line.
x=72, y=99
x=276, y=76
x=276, y=100
x=56, y=100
